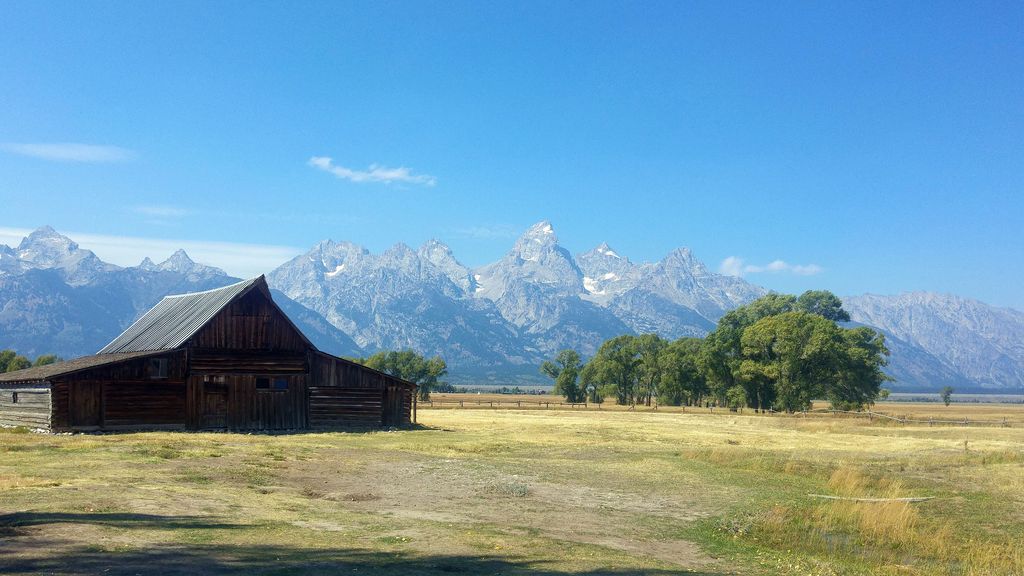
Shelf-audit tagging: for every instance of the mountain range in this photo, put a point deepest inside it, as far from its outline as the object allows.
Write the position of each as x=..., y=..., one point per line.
x=494, y=323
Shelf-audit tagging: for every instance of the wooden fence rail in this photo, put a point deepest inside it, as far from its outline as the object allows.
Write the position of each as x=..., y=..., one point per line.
x=870, y=415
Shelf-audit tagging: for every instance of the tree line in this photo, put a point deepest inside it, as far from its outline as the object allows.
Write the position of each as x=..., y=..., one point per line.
x=779, y=352
x=408, y=365
x=11, y=361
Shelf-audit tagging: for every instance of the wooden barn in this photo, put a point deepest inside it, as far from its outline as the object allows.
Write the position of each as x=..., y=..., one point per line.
x=224, y=359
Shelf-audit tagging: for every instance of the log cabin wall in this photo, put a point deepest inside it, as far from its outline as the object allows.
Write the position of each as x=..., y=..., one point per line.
x=26, y=404
x=345, y=394
x=139, y=393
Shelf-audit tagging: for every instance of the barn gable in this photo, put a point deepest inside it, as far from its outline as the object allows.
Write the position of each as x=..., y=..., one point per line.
x=239, y=316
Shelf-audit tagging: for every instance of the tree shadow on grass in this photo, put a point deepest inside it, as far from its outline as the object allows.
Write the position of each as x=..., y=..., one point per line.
x=281, y=560
x=54, y=555
x=115, y=519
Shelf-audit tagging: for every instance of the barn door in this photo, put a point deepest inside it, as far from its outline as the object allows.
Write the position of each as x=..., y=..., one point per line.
x=214, y=403
x=392, y=406
x=85, y=400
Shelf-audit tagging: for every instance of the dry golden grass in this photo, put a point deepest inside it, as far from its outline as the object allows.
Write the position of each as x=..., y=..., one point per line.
x=991, y=413
x=547, y=491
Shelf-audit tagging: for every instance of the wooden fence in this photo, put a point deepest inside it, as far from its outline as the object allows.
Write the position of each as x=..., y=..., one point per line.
x=870, y=415
x=548, y=405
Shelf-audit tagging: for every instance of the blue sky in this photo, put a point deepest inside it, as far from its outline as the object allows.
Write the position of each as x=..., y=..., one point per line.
x=872, y=147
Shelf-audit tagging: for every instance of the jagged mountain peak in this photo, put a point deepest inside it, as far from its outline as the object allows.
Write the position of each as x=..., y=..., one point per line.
x=440, y=255
x=44, y=233
x=180, y=260
x=605, y=250
x=181, y=263
x=435, y=244
x=147, y=264
x=400, y=248
x=46, y=247
x=400, y=256
x=541, y=229
x=682, y=259
x=539, y=237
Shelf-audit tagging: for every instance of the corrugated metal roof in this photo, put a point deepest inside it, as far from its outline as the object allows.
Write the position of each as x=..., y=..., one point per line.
x=37, y=373
x=175, y=319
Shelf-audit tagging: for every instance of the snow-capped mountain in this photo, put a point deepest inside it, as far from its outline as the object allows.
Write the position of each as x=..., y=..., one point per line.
x=496, y=322
x=401, y=299
x=538, y=298
x=56, y=297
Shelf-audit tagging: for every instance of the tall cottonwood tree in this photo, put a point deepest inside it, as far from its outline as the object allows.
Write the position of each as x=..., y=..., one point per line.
x=565, y=371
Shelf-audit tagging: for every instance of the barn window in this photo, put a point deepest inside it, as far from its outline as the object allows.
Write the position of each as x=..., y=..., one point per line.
x=268, y=384
x=14, y=397
x=157, y=368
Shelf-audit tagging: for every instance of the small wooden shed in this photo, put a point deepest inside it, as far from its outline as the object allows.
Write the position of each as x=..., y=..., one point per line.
x=224, y=359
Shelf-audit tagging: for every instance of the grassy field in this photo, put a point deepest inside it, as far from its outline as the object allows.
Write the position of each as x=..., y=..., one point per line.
x=522, y=492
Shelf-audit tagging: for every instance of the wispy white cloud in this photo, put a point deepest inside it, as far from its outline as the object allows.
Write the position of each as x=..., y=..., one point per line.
x=734, y=266
x=488, y=232
x=160, y=211
x=375, y=173
x=69, y=151
x=238, y=259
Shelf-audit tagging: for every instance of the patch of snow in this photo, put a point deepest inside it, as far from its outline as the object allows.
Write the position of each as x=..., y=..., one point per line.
x=610, y=276
x=590, y=285
x=608, y=252
x=336, y=271
x=479, y=286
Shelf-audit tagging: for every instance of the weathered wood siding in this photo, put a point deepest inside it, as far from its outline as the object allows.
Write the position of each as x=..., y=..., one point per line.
x=252, y=322
x=25, y=405
x=210, y=361
x=232, y=402
x=343, y=393
x=152, y=404
x=122, y=396
x=334, y=407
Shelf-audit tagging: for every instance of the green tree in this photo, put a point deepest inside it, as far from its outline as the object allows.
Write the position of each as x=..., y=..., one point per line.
x=11, y=361
x=791, y=355
x=616, y=368
x=859, y=379
x=45, y=359
x=565, y=371
x=947, y=394
x=883, y=394
x=649, y=348
x=722, y=353
x=409, y=365
x=5, y=358
x=736, y=398
x=590, y=385
x=682, y=380
x=824, y=304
